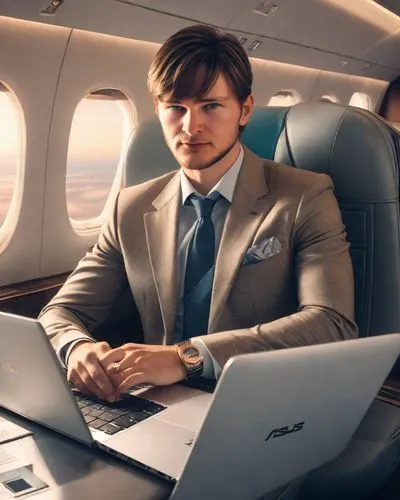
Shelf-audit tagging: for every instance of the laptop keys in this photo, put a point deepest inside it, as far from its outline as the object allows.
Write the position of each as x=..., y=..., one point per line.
x=128, y=420
x=107, y=416
x=89, y=419
x=96, y=424
x=110, y=428
x=112, y=418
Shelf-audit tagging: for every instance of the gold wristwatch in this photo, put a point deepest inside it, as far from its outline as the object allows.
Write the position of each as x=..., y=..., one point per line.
x=191, y=358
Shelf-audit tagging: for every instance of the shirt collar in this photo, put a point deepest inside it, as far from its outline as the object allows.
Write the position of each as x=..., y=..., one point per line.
x=225, y=186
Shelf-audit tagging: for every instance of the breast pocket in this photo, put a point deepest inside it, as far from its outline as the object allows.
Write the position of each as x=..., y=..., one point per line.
x=269, y=286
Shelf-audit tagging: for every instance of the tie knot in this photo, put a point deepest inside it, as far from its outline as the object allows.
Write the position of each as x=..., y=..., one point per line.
x=203, y=206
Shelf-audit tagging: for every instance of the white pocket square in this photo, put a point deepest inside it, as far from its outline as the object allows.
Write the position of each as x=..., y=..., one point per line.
x=264, y=250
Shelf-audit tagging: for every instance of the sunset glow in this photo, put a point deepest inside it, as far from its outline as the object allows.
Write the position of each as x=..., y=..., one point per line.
x=10, y=144
x=98, y=131
x=95, y=145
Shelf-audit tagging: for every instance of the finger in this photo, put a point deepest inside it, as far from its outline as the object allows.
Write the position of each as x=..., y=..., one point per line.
x=75, y=379
x=113, y=356
x=105, y=387
x=90, y=384
x=132, y=380
x=103, y=346
x=132, y=360
x=121, y=376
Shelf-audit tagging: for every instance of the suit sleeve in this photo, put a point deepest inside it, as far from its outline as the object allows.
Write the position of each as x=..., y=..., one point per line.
x=90, y=291
x=325, y=284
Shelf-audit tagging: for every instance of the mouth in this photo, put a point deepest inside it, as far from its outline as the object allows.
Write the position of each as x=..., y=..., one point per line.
x=193, y=145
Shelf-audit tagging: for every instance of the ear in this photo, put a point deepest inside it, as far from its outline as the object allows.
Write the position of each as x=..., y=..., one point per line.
x=155, y=101
x=247, y=108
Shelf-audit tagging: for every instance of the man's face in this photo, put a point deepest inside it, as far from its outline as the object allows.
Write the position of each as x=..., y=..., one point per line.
x=202, y=131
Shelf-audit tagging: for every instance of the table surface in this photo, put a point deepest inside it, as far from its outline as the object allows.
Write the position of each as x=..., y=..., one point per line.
x=74, y=471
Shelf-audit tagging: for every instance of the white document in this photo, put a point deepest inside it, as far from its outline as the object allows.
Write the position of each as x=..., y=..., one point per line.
x=10, y=431
x=5, y=457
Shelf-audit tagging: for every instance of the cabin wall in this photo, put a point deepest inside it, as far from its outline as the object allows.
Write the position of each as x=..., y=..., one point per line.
x=31, y=56
x=92, y=62
x=51, y=69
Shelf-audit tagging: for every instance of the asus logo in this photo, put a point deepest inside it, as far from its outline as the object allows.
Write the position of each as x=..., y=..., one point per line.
x=282, y=431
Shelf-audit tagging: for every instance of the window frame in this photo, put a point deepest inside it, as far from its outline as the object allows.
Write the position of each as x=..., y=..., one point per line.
x=362, y=95
x=8, y=226
x=285, y=93
x=129, y=116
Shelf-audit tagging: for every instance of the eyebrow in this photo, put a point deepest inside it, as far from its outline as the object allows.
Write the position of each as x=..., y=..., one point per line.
x=199, y=99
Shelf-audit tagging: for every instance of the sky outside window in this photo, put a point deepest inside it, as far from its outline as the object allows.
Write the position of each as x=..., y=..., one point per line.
x=10, y=144
x=94, y=150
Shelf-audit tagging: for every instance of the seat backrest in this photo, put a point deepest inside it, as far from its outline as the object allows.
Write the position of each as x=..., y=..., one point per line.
x=361, y=153
x=147, y=156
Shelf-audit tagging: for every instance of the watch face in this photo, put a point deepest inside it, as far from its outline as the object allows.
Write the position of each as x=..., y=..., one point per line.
x=191, y=355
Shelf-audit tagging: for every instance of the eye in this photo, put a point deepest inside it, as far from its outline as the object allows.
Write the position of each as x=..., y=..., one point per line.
x=211, y=106
x=176, y=108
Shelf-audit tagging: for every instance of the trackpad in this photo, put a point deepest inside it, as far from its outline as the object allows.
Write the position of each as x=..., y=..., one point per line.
x=156, y=443
x=189, y=414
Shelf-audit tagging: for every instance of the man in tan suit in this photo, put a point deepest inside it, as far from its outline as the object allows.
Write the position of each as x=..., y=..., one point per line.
x=282, y=274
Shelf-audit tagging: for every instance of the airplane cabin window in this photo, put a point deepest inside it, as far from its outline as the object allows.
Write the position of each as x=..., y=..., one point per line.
x=360, y=100
x=329, y=98
x=10, y=147
x=100, y=129
x=284, y=98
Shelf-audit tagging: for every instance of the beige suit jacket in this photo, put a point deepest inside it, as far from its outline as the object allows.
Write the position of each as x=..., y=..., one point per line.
x=302, y=295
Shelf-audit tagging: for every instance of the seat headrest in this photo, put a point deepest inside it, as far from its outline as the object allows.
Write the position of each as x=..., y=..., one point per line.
x=264, y=129
x=345, y=142
x=148, y=155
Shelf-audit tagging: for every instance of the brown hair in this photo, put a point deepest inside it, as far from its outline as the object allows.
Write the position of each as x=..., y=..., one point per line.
x=190, y=61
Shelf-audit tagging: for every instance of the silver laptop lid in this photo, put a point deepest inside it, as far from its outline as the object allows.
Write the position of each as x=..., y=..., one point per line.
x=32, y=382
x=276, y=415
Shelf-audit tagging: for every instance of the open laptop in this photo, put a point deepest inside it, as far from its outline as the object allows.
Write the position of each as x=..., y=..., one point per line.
x=273, y=416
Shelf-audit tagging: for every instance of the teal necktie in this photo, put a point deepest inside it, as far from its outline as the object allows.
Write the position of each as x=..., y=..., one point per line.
x=199, y=272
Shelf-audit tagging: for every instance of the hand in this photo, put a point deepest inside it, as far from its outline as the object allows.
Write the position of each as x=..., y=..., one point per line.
x=134, y=364
x=86, y=372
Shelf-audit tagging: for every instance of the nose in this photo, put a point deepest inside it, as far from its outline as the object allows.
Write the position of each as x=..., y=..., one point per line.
x=192, y=123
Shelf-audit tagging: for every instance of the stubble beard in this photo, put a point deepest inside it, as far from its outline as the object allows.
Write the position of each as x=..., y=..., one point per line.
x=216, y=159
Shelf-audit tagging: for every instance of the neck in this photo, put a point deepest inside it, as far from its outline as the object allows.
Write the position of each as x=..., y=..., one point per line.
x=204, y=180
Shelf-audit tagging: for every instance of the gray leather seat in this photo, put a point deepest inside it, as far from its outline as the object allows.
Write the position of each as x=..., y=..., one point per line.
x=361, y=153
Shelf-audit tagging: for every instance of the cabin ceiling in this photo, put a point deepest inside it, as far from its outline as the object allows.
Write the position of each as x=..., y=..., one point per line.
x=357, y=37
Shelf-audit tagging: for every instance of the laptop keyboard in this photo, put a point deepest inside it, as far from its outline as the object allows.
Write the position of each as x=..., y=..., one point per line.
x=114, y=417
x=390, y=395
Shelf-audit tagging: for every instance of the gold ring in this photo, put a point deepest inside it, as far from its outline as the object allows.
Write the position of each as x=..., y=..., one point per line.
x=115, y=367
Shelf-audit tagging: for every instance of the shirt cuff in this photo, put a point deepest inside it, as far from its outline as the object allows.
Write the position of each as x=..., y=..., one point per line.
x=65, y=350
x=211, y=367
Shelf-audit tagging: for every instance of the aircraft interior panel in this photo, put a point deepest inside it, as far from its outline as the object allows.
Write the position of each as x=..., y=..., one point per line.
x=333, y=32
x=111, y=17
x=272, y=77
x=386, y=51
x=344, y=86
x=30, y=56
x=92, y=62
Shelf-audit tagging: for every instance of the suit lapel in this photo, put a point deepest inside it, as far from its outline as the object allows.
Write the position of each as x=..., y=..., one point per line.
x=249, y=205
x=161, y=228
